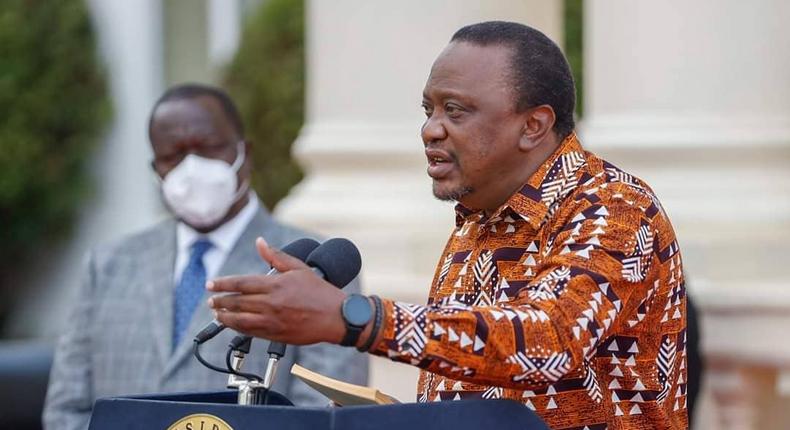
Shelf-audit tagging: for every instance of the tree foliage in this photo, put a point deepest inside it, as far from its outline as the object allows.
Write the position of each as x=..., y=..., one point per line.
x=53, y=104
x=574, y=47
x=266, y=79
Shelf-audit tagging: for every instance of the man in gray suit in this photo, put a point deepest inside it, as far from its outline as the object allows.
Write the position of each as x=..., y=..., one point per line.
x=143, y=298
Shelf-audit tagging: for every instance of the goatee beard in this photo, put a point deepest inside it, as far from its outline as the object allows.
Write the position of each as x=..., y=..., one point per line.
x=452, y=195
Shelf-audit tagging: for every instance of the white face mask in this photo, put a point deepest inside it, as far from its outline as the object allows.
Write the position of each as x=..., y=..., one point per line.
x=200, y=191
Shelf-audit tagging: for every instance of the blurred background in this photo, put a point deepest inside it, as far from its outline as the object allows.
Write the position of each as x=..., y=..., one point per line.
x=692, y=96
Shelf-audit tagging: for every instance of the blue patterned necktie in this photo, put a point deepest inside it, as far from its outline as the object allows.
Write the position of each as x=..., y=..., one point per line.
x=190, y=289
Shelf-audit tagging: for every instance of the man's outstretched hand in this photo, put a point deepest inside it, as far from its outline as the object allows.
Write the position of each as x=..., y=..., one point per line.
x=294, y=307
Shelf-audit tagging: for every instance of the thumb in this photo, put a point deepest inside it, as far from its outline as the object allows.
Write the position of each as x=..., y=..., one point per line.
x=276, y=258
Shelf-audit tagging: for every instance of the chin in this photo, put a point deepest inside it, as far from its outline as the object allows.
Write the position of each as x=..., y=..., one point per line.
x=451, y=193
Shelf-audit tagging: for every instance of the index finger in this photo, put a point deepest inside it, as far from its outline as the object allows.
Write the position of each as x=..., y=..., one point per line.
x=243, y=284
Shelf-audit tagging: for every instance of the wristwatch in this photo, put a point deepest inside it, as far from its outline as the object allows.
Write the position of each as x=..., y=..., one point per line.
x=357, y=312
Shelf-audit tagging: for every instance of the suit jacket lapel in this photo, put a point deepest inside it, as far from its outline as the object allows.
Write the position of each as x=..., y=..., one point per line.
x=243, y=259
x=158, y=290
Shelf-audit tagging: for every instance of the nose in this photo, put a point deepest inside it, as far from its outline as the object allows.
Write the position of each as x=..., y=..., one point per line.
x=433, y=130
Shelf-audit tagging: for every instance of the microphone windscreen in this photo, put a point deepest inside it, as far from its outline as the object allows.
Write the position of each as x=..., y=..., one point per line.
x=301, y=248
x=339, y=259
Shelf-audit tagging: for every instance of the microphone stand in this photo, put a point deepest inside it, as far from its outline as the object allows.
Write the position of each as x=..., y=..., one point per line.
x=239, y=348
x=276, y=351
x=251, y=391
x=256, y=392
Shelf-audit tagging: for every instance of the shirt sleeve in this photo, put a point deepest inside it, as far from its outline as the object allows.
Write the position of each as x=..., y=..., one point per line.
x=592, y=274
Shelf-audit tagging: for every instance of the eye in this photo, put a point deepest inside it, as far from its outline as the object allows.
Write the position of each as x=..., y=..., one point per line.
x=427, y=109
x=453, y=110
x=168, y=161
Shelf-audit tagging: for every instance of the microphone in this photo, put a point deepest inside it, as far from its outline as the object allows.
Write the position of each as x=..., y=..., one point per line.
x=300, y=249
x=338, y=262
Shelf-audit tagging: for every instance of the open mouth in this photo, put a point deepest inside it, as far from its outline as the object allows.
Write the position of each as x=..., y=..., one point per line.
x=436, y=160
x=440, y=164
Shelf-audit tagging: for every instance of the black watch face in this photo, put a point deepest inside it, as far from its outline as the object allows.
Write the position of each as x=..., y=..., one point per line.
x=357, y=311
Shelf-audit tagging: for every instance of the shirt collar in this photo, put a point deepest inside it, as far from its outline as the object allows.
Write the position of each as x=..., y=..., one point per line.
x=223, y=237
x=547, y=187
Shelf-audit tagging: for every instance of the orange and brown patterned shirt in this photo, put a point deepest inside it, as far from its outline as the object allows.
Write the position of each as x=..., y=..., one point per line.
x=569, y=299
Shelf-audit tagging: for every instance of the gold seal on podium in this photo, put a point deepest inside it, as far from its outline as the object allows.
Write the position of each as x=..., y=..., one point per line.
x=200, y=422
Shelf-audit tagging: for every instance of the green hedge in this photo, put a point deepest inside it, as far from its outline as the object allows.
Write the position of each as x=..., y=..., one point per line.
x=53, y=104
x=574, y=46
x=266, y=79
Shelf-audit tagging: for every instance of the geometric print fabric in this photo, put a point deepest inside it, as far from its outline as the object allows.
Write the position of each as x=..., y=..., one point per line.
x=569, y=299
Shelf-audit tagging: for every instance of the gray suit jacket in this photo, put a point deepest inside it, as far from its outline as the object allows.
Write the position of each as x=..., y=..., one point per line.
x=118, y=338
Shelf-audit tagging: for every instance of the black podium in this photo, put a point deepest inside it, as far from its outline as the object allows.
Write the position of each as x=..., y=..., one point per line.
x=202, y=411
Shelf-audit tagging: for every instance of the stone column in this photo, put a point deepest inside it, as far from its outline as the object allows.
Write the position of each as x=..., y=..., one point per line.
x=224, y=30
x=360, y=146
x=694, y=97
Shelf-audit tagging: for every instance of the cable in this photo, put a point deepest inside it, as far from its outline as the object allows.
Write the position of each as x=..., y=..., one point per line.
x=196, y=353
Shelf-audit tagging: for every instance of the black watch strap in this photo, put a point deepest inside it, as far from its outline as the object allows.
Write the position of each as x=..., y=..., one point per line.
x=378, y=314
x=357, y=313
x=352, y=335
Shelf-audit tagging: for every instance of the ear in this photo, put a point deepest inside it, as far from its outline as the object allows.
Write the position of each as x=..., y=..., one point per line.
x=538, y=124
x=159, y=174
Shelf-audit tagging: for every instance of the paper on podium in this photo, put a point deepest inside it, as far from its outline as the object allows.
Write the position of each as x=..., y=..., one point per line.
x=342, y=393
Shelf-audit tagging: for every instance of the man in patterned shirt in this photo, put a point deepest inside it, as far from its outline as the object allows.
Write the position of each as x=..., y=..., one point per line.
x=561, y=285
